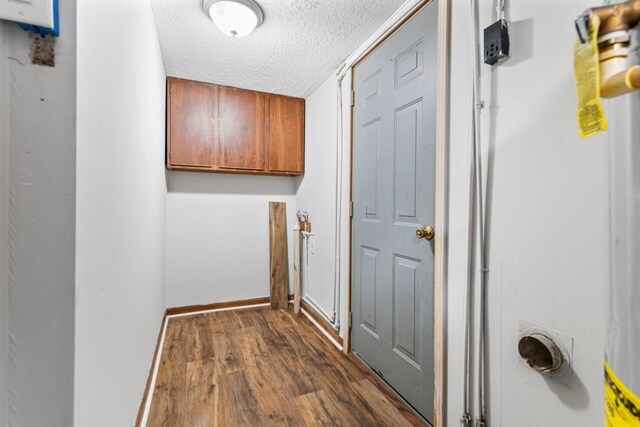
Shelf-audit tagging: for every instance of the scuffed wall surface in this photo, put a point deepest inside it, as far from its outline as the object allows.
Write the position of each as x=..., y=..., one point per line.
x=121, y=208
x=296, y=49
x=41, y=231
x=218, y=235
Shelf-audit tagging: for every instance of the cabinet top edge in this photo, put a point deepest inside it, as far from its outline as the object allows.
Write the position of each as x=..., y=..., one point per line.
x=173, y=78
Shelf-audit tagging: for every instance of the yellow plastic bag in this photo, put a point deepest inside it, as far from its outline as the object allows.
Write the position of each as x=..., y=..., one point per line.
x=622, y=406
x=591, y=117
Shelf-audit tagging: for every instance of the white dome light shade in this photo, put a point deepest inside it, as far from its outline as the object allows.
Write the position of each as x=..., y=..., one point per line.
x=235, y=18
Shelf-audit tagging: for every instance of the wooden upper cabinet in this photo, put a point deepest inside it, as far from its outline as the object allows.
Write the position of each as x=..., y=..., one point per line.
x=241, y=129
x=191, y=125
x=223, y=129
x=285, y=130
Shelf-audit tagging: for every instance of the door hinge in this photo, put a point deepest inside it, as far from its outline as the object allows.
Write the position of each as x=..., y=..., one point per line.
x=353, y=98
x=350, y=319
x=351, y=209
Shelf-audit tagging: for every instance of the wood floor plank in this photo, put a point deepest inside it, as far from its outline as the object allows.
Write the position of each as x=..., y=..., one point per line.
x=200, y=345
x=256, y=318
x=247, y=317
x=237, y=402
x=263, y=367
x=250, y=346
x=168, y=404
x=273, y=397
x=220, y=321
x=313, y=338
x=297, y=375
x=326, y=408
x=342, y=398
x=299, y=341
x=201, y=393
x=228, y=357
x=383, y=409
x=313, y=411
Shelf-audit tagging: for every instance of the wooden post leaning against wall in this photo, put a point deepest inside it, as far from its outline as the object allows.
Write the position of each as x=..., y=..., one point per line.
x=278, y=255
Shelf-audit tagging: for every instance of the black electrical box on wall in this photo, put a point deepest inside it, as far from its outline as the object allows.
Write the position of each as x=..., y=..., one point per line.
x=496, y=42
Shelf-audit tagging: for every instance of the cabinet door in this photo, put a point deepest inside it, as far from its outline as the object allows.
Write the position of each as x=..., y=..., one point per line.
x=241, y=129
x=191, y=124
x=285, y=134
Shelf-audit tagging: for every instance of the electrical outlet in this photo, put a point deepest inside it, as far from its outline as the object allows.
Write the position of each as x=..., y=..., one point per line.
x=40, y=13
x=496, y=43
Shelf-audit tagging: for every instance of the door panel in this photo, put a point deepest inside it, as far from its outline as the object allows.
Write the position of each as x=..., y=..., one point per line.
x=370, y=153
x=241, y=127
x=192, y=123
x=406, y=284
x=393, y=195
x=409, y=64
x=408, y=132
x=284, y=131
x=368, y=291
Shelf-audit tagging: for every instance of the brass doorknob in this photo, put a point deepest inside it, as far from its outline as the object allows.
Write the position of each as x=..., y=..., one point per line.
x=425, y=233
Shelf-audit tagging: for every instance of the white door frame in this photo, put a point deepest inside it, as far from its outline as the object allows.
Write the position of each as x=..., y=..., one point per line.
x=406, y=12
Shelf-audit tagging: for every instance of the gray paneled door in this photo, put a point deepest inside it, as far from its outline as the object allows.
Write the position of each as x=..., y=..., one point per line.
x=393, y=196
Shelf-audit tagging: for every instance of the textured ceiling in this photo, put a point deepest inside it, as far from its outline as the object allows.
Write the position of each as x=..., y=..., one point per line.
x=298, y=46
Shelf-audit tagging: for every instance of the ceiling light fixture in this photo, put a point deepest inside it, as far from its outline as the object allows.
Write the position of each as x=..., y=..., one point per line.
x=235, y=18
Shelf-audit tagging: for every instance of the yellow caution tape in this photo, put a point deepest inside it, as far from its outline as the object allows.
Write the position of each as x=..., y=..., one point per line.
x=591, y=118
x=622, y=406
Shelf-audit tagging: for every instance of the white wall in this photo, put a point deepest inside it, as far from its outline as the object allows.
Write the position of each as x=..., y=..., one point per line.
x=218, y=235
x=121, y=208
x=317, y=192
x=548, y=216
x=38, y=123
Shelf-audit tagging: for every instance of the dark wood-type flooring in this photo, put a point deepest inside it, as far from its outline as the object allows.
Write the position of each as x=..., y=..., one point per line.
x=263, y=367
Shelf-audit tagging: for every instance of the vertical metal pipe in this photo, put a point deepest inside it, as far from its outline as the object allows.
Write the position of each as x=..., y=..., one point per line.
x=338, y=231
x=297, y=265
x=465, y=420
x=478, y=104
